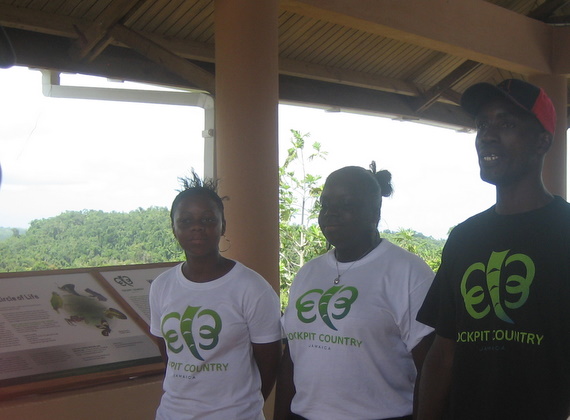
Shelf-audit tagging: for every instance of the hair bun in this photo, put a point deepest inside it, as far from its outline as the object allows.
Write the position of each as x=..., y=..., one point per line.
x=383, y=178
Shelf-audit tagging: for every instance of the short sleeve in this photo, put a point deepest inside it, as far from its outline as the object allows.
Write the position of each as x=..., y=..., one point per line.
x=438, y=309
x=264, y=317
x=420, y=281
x=154, y=303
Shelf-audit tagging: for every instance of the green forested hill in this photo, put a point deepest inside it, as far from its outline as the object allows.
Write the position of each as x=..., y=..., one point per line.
x=91, y=238
x=6, y=233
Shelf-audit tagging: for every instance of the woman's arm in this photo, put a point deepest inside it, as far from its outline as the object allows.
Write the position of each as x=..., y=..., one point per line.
x=159, y=341
x=419, y=354
x=267, y=358
x=285, y=388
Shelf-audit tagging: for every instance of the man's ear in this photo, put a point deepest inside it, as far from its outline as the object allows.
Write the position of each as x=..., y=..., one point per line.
x=544, y=142
x=223, y=226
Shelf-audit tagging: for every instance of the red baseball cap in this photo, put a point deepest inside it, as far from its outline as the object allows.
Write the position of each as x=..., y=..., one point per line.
x=529, y=97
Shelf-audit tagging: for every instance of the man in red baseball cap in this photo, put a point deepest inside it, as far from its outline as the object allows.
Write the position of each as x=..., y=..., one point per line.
x=500, y=302
x=528, y=97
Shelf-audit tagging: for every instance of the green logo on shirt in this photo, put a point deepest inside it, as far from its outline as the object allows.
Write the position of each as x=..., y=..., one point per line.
x=327, y=307
x=199, y=327
x=484, y=289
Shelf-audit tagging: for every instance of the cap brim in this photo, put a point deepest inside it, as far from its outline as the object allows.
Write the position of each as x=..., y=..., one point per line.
x=481, y=93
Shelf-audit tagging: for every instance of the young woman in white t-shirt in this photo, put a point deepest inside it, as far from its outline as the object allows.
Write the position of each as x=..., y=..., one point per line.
x=219, y=320
x=353, y=344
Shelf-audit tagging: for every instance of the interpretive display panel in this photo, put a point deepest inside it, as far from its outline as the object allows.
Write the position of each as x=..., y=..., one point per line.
x=134, y=287
x=74, y=326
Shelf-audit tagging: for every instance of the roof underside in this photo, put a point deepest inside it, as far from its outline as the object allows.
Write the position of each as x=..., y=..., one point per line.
x=410, y=60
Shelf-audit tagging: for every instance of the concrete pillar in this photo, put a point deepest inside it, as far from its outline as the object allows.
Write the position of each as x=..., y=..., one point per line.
x=555, y=164
x=246, y=105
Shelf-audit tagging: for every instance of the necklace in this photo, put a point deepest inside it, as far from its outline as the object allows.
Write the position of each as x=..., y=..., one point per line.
x=338, y=274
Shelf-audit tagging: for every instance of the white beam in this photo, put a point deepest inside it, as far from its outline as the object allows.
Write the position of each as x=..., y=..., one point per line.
x=51, y=88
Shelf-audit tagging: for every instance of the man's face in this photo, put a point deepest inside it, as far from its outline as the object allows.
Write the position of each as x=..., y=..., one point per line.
x=509, y=144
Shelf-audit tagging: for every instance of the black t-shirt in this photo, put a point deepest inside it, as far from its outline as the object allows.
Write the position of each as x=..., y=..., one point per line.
x=503, y=294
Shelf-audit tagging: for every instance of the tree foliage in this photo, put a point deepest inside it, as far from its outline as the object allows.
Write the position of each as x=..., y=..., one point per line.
x=300, y=238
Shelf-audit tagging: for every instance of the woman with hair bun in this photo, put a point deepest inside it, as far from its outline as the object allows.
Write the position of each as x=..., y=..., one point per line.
x=219, y=319
x=353, y=345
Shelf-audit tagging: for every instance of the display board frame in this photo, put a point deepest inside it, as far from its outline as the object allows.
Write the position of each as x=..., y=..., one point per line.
x=66, y=329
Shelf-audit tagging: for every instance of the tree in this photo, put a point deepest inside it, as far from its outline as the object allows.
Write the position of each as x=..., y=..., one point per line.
x=427, y=248
x=300, y=238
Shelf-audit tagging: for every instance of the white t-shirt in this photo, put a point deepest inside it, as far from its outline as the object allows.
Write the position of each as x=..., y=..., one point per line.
x=351, y=342
x=208, y=329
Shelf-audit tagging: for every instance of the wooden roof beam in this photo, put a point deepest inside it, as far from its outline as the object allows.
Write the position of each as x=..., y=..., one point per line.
x=67, y=27
x=73, y=28
x=346, y=77
x=38, y=21
x=482, y=31
x=194, y=74
x=41, y=51
x=445, y=84
x=94, y=40
x=204, y=52
x=541, y=13
x=561, y=47
x=546, y=9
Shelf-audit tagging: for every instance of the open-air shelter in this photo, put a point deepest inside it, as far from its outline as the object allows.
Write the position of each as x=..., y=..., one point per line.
x=409, y=59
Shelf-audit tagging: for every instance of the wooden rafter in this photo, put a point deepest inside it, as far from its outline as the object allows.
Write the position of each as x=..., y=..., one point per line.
x=407, y=21
x=38, y=21
x=194, y=74
x=558, y=20
x=445, y=84
x=93, y=40
x=346, y=77
x=542, y=13
x=89, y=37
x=547, y=9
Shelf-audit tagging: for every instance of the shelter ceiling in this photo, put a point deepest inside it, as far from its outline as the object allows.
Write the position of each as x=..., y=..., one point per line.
x=410, y=59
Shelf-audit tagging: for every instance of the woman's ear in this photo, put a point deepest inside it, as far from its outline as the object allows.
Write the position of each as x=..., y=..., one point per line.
x=377, y=216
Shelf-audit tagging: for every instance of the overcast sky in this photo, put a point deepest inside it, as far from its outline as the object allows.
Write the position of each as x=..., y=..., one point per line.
x=70, y=154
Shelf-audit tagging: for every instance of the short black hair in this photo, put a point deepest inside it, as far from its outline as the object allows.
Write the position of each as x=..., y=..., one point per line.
x=193, y=186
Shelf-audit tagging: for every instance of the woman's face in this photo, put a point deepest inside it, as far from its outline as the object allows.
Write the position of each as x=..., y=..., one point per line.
x=198, y=225
x=346, y=218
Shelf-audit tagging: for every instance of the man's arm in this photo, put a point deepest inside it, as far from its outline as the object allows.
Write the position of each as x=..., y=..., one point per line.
x=285, y=388
x=436, y=379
